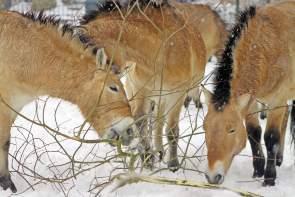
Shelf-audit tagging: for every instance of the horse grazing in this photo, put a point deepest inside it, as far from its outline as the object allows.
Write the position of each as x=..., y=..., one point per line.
x=39, y=58
x=258, y=63
x=165, y=54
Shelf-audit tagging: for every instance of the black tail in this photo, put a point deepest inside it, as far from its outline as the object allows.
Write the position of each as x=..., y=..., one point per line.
x=292, y=122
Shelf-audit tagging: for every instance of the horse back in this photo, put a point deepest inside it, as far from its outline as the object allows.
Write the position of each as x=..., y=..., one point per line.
x=160, y=36
x=267, y=48
x=205, y=20
x=282, y=17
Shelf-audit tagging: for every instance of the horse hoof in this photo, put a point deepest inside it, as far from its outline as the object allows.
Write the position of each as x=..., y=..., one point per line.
x=161, y=155
x=198, y=104
x=279, y=159
x=270, y=176
x=6, y=182
x=258, y=174
x=258, y=165
x=147, y=160
x=187, y=101
x=268, y=182
x=173, y=165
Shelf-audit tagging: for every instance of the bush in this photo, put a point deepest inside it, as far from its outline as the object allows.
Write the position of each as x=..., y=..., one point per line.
x=43, y=4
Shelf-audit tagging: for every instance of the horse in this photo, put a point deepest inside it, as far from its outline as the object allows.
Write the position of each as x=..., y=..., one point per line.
x=40, y=56
x=258, y=62
x=212, y=28
x=165, y=55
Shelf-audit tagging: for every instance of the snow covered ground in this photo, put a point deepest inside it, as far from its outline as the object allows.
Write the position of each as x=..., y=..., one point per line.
x=67, y=117
x=38, y=150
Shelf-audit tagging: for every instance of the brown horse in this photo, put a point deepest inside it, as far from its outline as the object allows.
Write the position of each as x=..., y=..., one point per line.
x=166, y=48
x=211, y=27
x=257, y=63
x=39, y=58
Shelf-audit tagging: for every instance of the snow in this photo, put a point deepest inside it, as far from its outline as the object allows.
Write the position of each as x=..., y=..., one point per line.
x=67, y=118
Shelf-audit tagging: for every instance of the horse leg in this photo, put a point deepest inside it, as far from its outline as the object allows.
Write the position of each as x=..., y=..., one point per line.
x=194, y=95
x=254, y=137
x=273, y=139
x=140, y=107
x=292, y=122
x=279, y=157
x=172, y=132
x=196, y=98
x=5, y=124
x=263, y=113
x=158, y=129
x=187, y=101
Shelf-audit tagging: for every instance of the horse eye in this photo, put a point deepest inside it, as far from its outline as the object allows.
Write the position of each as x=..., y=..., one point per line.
x=231, y=131
x=114, y=88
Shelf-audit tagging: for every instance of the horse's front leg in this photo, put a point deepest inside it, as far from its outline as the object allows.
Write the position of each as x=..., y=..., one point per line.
x=274, y=142
x=254, y=137
x=5, y=125
x=172, y=132
x=140, y=107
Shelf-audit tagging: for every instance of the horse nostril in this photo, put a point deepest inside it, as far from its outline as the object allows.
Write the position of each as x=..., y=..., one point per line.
x=114, y=135
x=218, y=178
x=129, y=132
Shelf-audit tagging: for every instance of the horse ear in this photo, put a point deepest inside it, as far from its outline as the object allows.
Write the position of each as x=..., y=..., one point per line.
x=101, y=59
x=244, y=101
x=207, y=94
x=130, y=65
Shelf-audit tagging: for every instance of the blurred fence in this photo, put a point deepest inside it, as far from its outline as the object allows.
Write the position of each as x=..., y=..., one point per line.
x=66, y=11
x=74, y=8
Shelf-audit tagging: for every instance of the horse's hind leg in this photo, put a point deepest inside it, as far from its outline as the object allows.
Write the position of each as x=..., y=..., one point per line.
x=172, y=132
x=187, y=101
x=194, y=95
x=292, y=121
x=279, y=158
x=5, y=124
x=263, y=113
x=254, y=136
x=274, y=142
x=197, y=98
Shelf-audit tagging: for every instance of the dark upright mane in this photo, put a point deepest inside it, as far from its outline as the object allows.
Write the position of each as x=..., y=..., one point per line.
x=109, y=6
x=224, y=71
x=44, y=19
x=48, y=19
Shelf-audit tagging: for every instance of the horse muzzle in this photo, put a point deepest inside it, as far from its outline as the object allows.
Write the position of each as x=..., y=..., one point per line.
x=216, y=175
x=123, y=130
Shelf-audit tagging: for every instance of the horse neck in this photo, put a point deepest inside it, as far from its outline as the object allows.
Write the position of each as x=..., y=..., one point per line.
x=79, y=86
x=106, y=30
x=67, y=71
